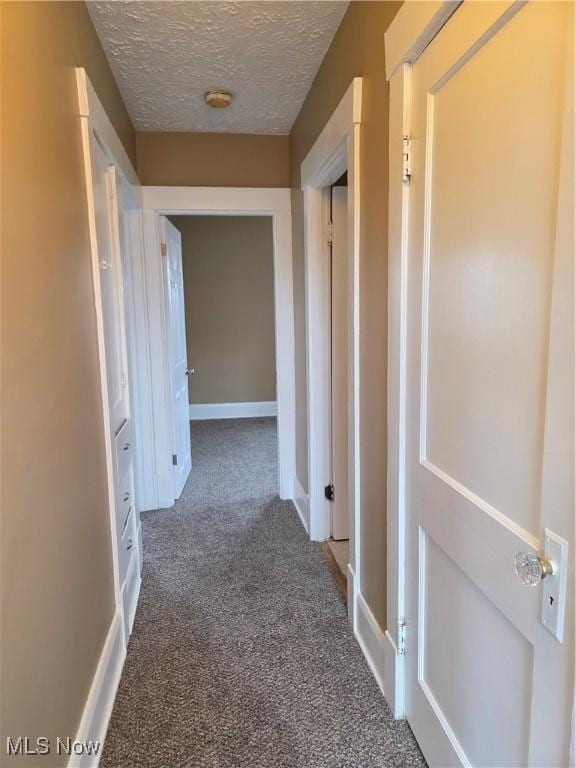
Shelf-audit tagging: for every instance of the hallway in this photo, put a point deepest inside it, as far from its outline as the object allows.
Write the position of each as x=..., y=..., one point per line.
x=241, y=654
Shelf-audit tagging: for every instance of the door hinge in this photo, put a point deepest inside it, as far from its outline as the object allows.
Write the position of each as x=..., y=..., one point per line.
x=329, y=491
x=163, y=249
x=401, y=637
x=175, y=459
x=330, y=233
x=406, y=158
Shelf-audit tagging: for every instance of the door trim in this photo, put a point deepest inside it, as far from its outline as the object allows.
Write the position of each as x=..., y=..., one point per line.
x=336, y=150
x=91, y=110
x=206, y=411
x=92, y=118
x=411, y=31
x=220, y=201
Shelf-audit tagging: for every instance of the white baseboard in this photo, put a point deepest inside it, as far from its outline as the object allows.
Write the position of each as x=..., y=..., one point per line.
x=350, y=594
x=204, y=411
x=165, y=498
x=394, y=676
x=372, y=641
x=286, y=481
x=302, y=504
x=100, y=699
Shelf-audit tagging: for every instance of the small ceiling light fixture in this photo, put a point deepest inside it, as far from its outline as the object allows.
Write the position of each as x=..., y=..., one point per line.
x=218, y=99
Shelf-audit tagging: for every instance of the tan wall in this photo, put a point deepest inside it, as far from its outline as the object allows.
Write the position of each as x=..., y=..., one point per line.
x=228, y=264
x=213, y=159
x=357, y=50
x=57, y=592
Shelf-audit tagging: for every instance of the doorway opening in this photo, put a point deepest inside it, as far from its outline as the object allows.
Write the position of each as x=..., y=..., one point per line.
x=241, y=342
x=337, y=488
x=330, y=179
x=220, y=299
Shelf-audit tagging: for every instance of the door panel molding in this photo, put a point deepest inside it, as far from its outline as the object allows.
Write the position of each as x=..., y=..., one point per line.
x=477, y=509
x=407, y=37
x=528, y=539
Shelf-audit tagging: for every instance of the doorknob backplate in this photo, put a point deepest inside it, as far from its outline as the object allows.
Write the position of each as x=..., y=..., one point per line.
x=552, y=571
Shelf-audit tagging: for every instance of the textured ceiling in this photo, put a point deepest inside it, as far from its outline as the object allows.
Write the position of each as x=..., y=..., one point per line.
x=166, y=55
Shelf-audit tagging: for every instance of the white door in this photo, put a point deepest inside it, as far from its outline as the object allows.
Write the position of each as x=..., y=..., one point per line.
x=109, y=289
x=339, y=319
x=490, y=451
x=103, y=184
x=178, y=359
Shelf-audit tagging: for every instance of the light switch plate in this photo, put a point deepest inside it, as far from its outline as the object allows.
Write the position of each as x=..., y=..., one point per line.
x=554, y=592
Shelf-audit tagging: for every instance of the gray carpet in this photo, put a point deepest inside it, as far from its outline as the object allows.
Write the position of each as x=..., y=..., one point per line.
x=241, y=654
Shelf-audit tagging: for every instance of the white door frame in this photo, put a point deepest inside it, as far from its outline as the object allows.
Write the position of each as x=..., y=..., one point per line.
x=92, y=118
x=218, y=201
x=336, y=150
x=93, y=114
x=412, y=29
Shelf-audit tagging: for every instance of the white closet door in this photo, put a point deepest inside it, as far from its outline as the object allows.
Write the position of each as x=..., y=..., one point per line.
x=109, y=289
x=111, y=296
x=490, y=457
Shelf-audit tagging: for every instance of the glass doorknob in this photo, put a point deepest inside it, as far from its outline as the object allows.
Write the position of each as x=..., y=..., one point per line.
x=531, y=569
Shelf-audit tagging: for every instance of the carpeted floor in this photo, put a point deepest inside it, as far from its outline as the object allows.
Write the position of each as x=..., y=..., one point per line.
x=241, y=654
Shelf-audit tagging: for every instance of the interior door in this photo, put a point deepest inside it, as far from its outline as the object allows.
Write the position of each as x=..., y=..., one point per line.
x=104, y=191
x=490, y=443
x=109, y=289
x=339, y=319
x=178, y=359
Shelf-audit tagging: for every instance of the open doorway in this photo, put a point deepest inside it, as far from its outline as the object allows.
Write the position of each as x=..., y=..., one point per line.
x=221, y=377
x=337, y=489
x=220, y=288
x=330, y=181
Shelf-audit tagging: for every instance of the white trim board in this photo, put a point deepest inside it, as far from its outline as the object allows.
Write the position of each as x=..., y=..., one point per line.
x=337, y=149
x=372, y=641
x=394, y=676
x=351, y=594
x=302, y=504
x=100, y=701
x=411, y=31
x=90, y=106
x=221, y=201
x=94, y=121
x=217, y=201
x=205, y=411
x=325, y=150
x=92, y=112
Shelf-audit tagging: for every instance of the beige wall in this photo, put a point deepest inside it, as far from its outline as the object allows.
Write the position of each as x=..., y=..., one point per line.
x=57, y=593
x=357, y=50
x=213, y=159
x=228, y=264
